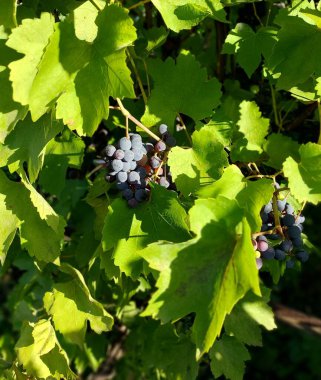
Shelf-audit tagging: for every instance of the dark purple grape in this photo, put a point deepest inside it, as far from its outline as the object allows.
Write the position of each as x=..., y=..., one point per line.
x=137, y=145
x=301, y=219
x=289, y=209
x=155, y=162
x=273, y=236
x=160, y=146
x=132, y=203
x=170, y=141
x=117, y=165
x=141, y=171
x=297, y=243
x=262, y=245
x=119, y=154
x=269, y=254
x=127, y=194
x=281, y=205
x=110, y=150
x=126, y=166
x=288, y=220
x=294, y=232
x=133, y=165
x=286, y=245
x=264, y=228
x=140, y=195
x=163, y=182
x=299, y=226
x=125, y=143
x=302, y=255
x=122, y=185
x=162, y=129
x=264, y=217
x=128, y=155
x=149, y=147
x=133, y=177
x=259, y=263
x=280, y=255
x=268, y=208
x=138, y=154
x=143, y=161
x=122, y=176
x=290, y=264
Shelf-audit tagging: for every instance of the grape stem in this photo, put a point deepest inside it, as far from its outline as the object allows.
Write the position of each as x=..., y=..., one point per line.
x=276, y=215
x=300, y=212
x=140, y=83
x=93, y=2
x=95, y=170
x=161, y=164
x=273, y=176
x=127, y=133
x=127, y=114
x=262, y=233
x=185, y=129
x=139, y=4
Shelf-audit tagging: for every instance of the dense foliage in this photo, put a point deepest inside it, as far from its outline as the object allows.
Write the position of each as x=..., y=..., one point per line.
x=155, y=161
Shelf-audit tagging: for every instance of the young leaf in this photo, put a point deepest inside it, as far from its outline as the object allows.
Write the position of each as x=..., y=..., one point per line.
x=304, y=175
x=252, y=128
x=181, y=88
x=204, y=161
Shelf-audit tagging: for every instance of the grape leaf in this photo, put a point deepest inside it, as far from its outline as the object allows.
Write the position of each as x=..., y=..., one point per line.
x=27, y=143
x=249, y=46
x=206, y=160
x=66, y=150
x=250, y=312
x=35, y=214
x=8, y=9
x=40, y=353
x=8, y=228
x=183, y=14
x=85, y=83
x=10, y=111
x=128, y=231
x=30, y=39
x=73, y=298
x=252, y=128
x=197, y=96
x=297, y=39
x=304, y=175
x=195, y=277
x=276, y=155
x=227, y=358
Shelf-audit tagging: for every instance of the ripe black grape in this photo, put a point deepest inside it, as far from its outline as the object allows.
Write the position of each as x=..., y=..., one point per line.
x=124, y=143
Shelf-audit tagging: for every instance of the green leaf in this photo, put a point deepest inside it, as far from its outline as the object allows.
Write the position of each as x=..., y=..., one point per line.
x=183, y=14
x=181, y=88
x=128, y=231
x=8, y=228
x=249, y=46
x=84, y=84
x=246, y=317
x=72, y=298
x=304, y=175
x=279, y=148
x=39, y=352
x=227, y=358
x=205, y=161
x=34, y=214
x=10, y=111
x=155, y=37
x=8, y=10
x=252, y=128
x=206, y=275
x=29, y=39
x=297, y=40
x=61, y=153
x=27, y=143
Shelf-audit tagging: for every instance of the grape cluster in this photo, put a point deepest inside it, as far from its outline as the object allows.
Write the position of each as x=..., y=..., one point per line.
x=284, y=244
x=133, y=164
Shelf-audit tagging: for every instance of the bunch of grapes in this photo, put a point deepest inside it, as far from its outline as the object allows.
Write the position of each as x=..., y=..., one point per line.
x=284, y=243
x=133, y=165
